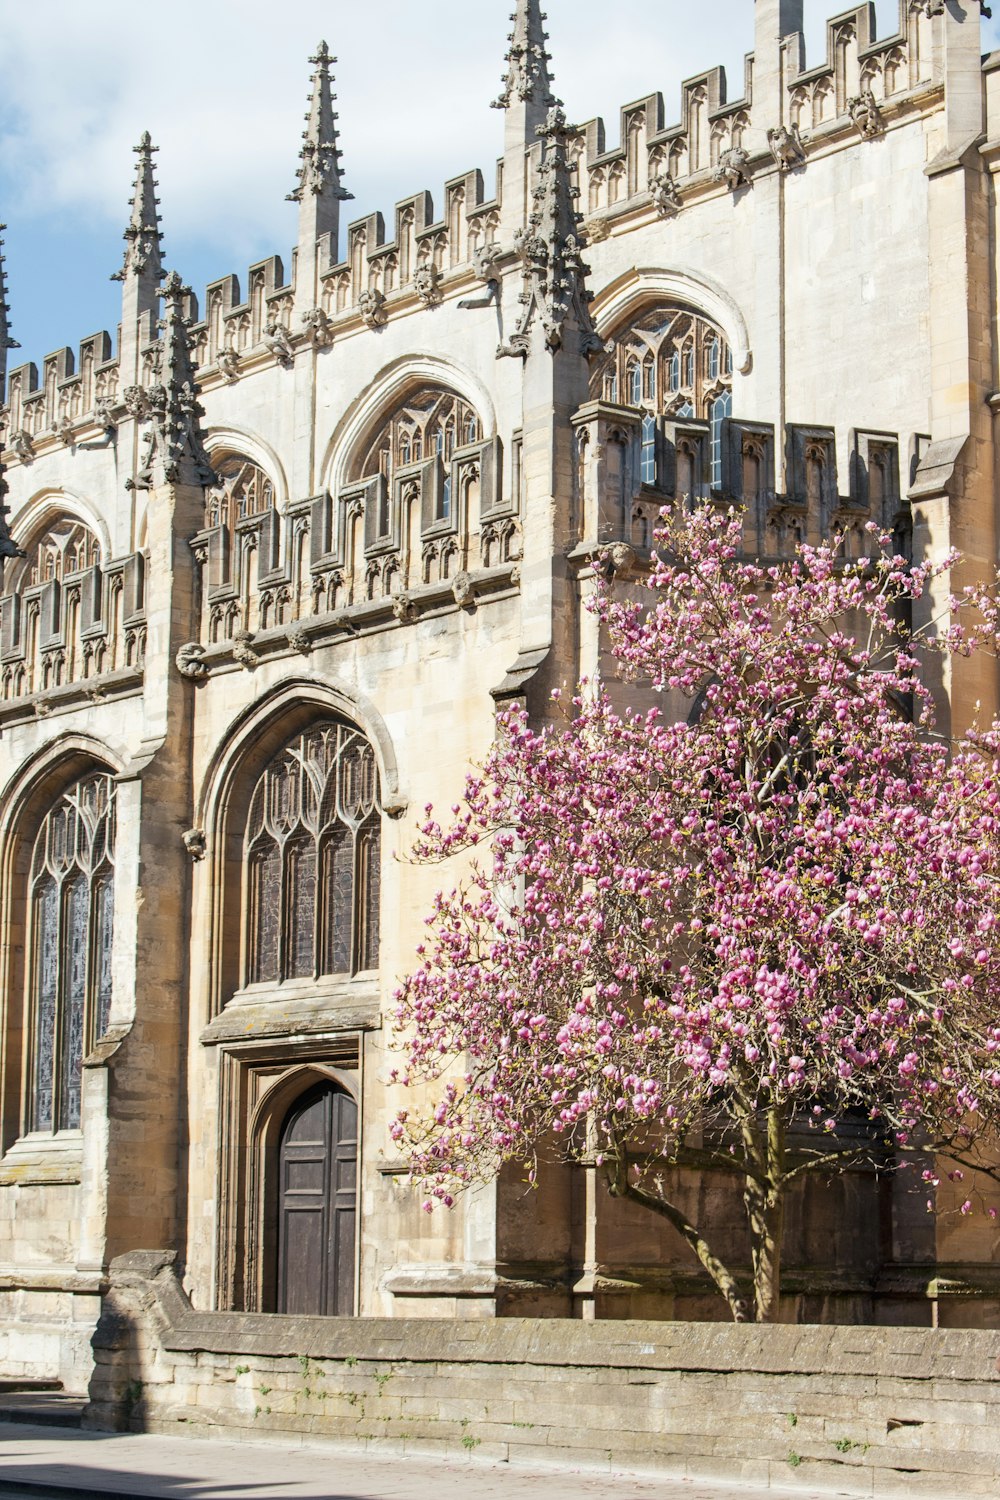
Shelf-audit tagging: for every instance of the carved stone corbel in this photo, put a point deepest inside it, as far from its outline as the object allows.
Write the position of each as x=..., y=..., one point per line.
x=866, y=115
x=194, y=843
x=733, y=168
x=404, y=608
x=464, y=589
x=243, y=651
x=318, y=327
x=666, y=198
x=426, y=284
x=299, y=641
x=190, y=662
x=371, y=306
x=786, y=147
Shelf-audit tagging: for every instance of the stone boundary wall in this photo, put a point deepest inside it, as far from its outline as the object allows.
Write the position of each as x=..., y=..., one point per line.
x=860, y=1411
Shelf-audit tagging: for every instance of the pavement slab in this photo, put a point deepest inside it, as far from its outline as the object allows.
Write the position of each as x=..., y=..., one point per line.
x=43, y=1462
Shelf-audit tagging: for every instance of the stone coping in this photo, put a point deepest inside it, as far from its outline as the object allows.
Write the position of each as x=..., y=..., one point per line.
x=900, y=1353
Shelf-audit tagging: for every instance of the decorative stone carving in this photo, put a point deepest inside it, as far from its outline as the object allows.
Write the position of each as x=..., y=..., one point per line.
x=191, y=663
x=228, y=361
x=319, y=169
x=21, y=445
x=277, y=341
x=527, y=76
x=864, y=111
x=549, y=247
x=733, y=168
x=318, y=327
x=136, y=401
x=194, y=843
x=665, y=196
x=463, y=589
x=243, y=651
x=63, y=428
x=426, y=284
x=786, y=147
x=104, y=414
x=621, y=557
x=486, y=264
x=371, y=306
x=174, y=452
x=299, y=641
x=404, y=608
x=143, y=239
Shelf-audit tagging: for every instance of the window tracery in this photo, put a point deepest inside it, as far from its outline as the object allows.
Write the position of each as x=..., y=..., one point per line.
x=669, y=361
x=243, y=489
x=312, y=855
x=71, y=898
x=431, y=422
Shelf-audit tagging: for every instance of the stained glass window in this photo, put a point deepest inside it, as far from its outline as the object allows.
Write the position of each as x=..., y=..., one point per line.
x=70, y=976
x=312, y=847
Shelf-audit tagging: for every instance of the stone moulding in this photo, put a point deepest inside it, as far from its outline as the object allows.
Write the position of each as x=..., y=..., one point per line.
x=125, y=682
x=396, y=611
x=901, y=1407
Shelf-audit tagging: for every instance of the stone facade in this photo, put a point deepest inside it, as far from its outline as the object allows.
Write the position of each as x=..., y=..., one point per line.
x=270, y=564
x=869, y=1412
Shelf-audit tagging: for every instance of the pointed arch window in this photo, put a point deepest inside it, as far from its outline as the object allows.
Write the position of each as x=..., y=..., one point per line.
x=71, y=914
x=722, y=407
x=648, y=450
x=312, y=854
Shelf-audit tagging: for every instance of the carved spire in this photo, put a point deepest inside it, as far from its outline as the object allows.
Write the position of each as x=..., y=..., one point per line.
x=555, y=277
x=6, y=342
x=143, y=239
x=319, y=173
x=527, y=80
x=174, y=448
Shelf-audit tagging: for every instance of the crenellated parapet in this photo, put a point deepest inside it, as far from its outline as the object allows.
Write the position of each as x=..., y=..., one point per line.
x=787, y=113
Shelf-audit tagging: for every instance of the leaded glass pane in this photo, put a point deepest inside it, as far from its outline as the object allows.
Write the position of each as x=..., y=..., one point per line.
x=317, y=791
x=105, y=916
x=338, y=901
x=73, y=959
x=302, y=909
x=70, y=978
x=369, y=884
x=265, y=880
x=47, y=979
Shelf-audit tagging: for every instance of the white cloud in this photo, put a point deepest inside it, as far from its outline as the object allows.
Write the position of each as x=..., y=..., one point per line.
x=222, y=84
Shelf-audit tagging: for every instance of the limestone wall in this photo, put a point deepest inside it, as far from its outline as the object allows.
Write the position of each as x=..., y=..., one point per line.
x=872, y=1412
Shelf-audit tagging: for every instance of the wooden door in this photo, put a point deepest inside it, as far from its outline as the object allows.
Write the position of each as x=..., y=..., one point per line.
x=317, y=1208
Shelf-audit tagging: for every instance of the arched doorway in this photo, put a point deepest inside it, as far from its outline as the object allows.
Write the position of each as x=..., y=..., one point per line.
x=317, y=1208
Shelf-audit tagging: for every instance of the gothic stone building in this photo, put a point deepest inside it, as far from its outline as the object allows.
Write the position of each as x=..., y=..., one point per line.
x=274, y=559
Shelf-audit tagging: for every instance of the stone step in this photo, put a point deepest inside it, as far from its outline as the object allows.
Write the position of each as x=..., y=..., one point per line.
x=41, y=1408
x=25, y=1489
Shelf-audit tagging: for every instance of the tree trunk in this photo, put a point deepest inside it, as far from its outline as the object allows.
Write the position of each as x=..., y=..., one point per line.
x=620, y=1187
x=764, y=1197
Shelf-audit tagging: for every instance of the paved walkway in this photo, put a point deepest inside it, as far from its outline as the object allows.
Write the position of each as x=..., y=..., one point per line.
x=41, y=1461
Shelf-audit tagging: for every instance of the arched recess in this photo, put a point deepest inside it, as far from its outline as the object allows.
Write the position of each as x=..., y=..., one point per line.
x=386, y=391
x=261, y=1229
x=255, y=736
x=629, y=293
x=28, y=797
x=48, y=506
x=226, y=440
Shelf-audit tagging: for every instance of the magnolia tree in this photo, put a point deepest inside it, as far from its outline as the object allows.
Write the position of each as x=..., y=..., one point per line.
x=714, y=941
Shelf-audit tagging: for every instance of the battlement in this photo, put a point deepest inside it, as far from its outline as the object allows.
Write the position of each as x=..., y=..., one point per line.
x=862, y=87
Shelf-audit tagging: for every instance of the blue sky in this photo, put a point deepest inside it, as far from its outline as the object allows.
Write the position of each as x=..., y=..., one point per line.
x=222, y=84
